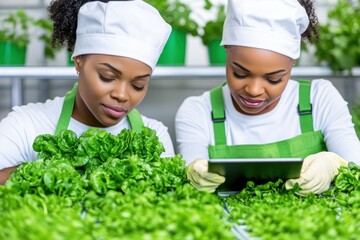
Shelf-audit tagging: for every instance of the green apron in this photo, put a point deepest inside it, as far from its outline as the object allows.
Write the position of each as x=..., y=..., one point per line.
x=134, y=116
x=308, y=142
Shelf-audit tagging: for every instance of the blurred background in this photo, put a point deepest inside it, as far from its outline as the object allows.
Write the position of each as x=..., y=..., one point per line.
x=31, y=70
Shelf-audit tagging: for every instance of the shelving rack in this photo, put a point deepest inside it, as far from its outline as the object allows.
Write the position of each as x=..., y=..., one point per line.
x=18, y=75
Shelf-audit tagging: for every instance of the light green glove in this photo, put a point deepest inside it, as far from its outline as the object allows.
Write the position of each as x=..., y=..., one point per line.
x=317, y=173
x=201, y=179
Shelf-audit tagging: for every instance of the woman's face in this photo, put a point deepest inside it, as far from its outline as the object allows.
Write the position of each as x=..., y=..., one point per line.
x=256, y=78
x=109, y=88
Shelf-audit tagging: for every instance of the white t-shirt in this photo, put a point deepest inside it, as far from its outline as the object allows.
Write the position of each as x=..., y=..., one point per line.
x=19, y=129
x=194, y=128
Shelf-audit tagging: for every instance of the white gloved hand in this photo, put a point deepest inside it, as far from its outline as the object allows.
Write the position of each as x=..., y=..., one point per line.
x=317, y=173
x=201, y=179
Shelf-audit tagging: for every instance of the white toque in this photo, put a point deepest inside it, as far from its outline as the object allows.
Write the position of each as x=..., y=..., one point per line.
x=274, y=25
x=131, y=29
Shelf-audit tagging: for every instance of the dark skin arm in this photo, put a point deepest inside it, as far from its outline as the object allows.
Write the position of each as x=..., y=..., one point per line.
x=5, y=173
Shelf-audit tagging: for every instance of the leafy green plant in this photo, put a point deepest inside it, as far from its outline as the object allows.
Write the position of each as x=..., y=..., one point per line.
x=46, y=27
x=14, y=27
x=339, y=41
x=280, y=214
x=177, y=14
x=104, y=186
x=18, y=28
x=213, y=29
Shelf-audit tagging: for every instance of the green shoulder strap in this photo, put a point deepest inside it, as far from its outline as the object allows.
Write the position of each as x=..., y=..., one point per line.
x=305, y=107
x=218, y=114
x=135, y=120
x=67, y=109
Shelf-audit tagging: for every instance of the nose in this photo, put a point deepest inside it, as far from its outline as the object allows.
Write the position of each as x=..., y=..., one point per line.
x=120, y=92
x=254, y=87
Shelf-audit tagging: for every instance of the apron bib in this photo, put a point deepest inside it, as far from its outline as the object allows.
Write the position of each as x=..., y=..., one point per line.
x=308, y=142
x=134, y=116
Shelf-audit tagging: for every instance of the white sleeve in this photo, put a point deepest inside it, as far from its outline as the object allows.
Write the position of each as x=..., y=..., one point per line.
x=163, y=135
x=16, y=137
x=192, y=128
x=331, y=114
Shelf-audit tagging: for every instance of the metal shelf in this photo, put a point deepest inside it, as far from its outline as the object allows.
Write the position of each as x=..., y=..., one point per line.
x=19, y=74
x=162, y=72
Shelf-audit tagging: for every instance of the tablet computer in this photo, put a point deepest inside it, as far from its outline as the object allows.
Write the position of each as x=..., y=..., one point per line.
x=259, y=170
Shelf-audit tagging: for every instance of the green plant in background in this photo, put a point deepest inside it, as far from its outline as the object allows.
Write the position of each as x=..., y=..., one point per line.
x=213, y=29
x=339, y=41
x=46, y=26
x=14, y=28
x=19, y=28
x=177, y=14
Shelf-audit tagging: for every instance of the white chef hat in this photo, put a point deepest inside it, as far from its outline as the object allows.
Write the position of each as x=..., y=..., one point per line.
x=131, y=29
x=274, y=25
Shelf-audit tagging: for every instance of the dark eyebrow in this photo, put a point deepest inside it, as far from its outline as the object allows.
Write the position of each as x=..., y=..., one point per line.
x=117, y=71
x=114, y=69
x=266, y=74
x=143, y=76
x=275, y=72
x=239, y=66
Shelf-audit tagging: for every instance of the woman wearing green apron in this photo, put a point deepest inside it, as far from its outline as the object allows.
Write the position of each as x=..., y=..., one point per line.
x=260, y=112
x=115, y=53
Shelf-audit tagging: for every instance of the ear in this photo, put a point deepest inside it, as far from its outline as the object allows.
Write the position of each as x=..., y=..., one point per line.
x=77, y=62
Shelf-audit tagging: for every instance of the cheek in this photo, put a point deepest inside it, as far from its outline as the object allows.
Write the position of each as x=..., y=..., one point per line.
x=139, y=96
x=275, y=92
x=91, y=88
x=235, y=85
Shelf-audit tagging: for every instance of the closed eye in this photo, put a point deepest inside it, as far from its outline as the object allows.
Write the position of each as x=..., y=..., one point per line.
x=105, y=79
x=240, y=76
x=274, y=81
x=137, y=88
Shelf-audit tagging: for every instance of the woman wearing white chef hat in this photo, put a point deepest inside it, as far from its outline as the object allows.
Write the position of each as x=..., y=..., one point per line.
x=116, y=45
x=260, y=112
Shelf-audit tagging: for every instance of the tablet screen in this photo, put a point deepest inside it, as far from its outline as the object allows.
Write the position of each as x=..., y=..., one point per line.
x=260, y=170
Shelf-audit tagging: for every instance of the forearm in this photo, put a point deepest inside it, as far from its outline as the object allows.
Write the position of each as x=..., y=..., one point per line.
x=5, y=173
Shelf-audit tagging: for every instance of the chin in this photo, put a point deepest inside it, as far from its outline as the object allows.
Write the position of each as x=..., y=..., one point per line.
x=252, y=111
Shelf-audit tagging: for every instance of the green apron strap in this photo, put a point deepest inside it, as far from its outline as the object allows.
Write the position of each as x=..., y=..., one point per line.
x=135, y=120
x=218, y=115
x=66, y=110
x=305, y=107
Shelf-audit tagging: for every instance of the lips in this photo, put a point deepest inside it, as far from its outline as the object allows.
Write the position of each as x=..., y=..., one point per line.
x=252, y=102
x=114, y=111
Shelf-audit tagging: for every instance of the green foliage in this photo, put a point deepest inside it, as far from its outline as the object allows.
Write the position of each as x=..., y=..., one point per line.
x=271, y=212
x=104, y=186
x=46, y=27
x=177, y=14
x=213, y=29
x=18, y=28
x=339, y=41
x=14, y=27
